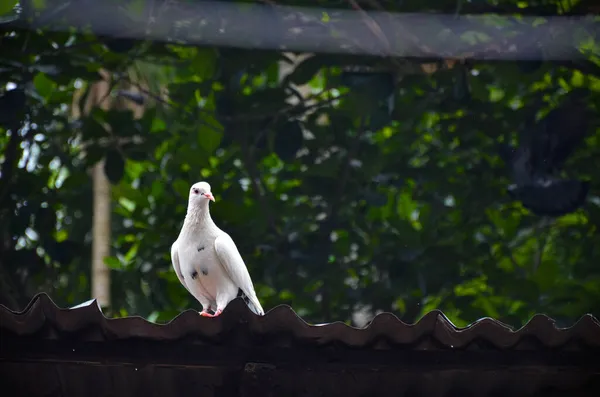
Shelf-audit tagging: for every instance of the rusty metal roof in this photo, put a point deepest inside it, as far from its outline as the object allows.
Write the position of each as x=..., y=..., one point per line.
x=241, y=354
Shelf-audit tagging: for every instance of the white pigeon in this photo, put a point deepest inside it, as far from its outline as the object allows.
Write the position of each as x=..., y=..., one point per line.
x=206, y=259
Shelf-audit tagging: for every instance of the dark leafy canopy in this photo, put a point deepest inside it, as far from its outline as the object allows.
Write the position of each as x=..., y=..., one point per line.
x=383, y=191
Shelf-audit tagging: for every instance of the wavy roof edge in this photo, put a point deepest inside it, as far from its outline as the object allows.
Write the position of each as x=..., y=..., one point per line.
x=42, y=311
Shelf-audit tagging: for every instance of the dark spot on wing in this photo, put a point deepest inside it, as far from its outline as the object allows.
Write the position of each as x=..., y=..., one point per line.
x=200, y=248
x=204, y=271
x=194, y=275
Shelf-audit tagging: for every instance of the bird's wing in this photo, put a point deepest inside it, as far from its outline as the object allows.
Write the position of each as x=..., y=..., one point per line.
x=236, y=269
x=175, y=261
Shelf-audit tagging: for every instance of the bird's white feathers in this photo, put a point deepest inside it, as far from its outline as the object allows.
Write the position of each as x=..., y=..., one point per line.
x=206, y=259
x=236, y=269
x=175, y=261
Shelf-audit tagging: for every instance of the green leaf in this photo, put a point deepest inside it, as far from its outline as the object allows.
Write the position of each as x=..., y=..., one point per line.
x=39, y=4
x=203, y=64
x=112, y=263
x=7, y=6
x=158, y=125
x=43, y=85
x=126, y=191
x=114, y=166
x=306, y=70
x=181, y=187
x=406, y=206
x=547, y=275
x=209, y=138
x=157, y=189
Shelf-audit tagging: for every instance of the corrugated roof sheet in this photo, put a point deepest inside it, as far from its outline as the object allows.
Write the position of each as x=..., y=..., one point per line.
x=46, y=350
x=88, y=321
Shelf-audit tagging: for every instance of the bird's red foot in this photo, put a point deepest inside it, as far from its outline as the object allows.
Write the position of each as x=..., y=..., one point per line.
x=204, y=313
x=218, y=312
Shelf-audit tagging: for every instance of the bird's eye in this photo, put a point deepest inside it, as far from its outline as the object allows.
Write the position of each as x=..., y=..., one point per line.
x=196, y=191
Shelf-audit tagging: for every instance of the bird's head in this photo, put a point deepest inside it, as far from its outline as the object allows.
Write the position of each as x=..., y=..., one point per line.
x=200, y=194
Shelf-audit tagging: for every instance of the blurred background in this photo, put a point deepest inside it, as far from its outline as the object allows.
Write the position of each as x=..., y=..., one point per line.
x=362, y=163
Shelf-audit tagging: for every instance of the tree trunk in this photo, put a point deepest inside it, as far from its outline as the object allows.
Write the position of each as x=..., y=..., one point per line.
x=99, y=96
x=101, y=236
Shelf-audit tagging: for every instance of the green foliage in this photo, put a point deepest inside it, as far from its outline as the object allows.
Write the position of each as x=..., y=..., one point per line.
x=384, y=189
x=7, y=6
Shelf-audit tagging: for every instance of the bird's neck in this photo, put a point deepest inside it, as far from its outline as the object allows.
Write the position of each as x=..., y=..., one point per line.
x=197, y=218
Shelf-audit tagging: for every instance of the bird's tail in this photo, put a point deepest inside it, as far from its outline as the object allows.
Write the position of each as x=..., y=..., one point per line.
x=254, y=305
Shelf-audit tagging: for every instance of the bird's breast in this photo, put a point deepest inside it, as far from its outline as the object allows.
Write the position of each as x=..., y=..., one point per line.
x=201, y=259
x=201, y=264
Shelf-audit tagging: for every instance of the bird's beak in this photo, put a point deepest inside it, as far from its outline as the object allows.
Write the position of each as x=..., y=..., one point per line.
x=209, y=196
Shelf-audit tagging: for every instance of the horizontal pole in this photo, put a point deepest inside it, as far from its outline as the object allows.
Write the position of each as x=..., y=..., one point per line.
x=334, y=31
